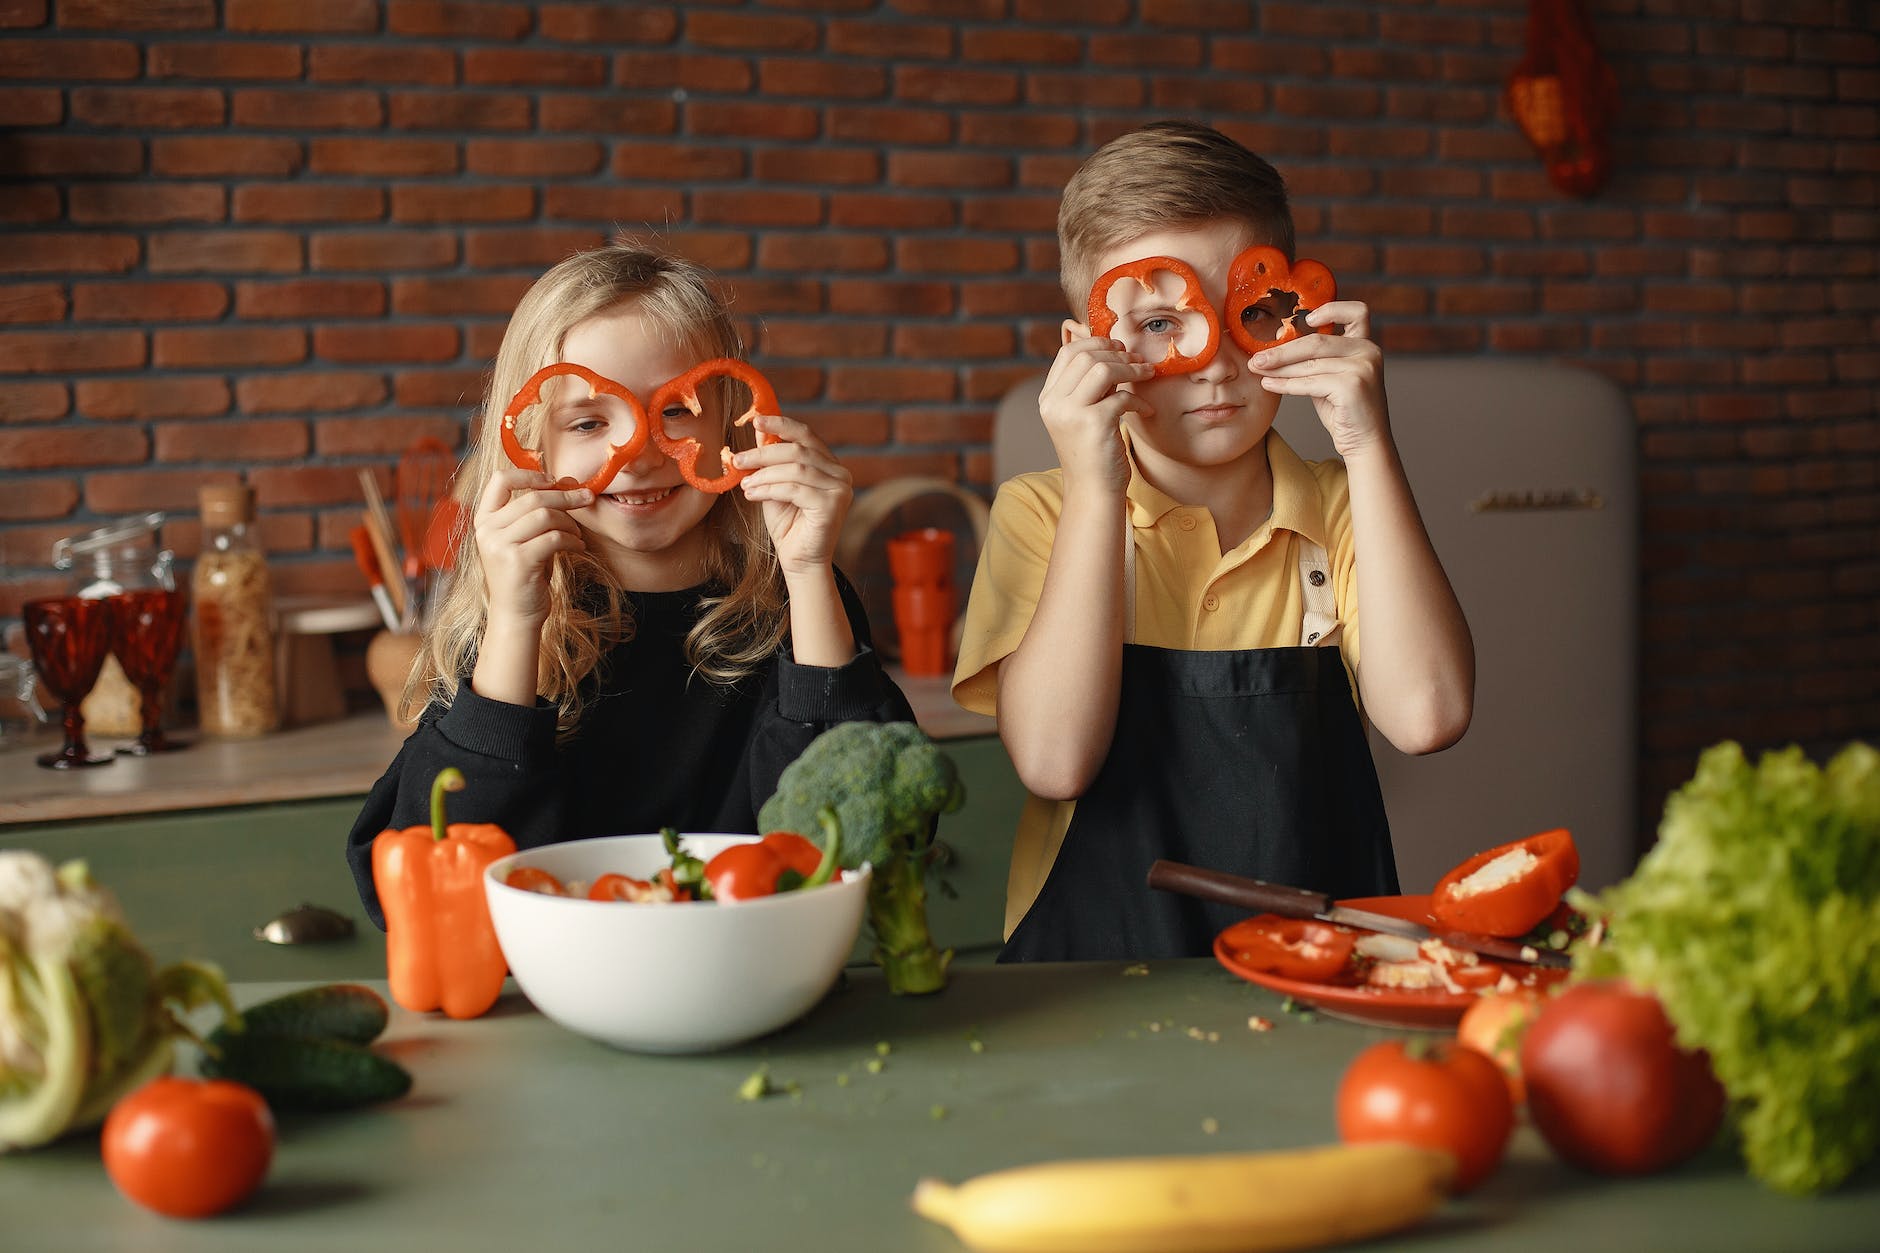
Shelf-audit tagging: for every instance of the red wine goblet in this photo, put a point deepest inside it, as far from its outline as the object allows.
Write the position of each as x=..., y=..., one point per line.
x=69, y=638
x=146, y=634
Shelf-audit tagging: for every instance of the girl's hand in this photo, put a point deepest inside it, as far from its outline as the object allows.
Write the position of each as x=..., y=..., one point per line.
x=521, y=522
x=1082, y=407
x=804, y=490
x=1343, y=373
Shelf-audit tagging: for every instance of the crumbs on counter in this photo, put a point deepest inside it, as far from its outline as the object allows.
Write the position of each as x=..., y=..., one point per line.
x=1257, y=1023
x=1209, y=1126
x=1136, y=968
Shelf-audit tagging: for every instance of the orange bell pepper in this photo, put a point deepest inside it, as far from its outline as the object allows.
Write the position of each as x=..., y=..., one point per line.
x=440, y=946
x=1516, y=900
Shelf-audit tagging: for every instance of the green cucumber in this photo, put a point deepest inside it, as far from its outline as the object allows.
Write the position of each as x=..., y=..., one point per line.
x=297, y=1072
x=337, y=1011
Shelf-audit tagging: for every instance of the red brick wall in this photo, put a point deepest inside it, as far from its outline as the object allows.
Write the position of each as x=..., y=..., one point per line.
x=282, y=236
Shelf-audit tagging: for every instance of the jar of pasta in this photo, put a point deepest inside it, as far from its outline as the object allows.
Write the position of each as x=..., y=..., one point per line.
x=121, y=556
x=234, y=637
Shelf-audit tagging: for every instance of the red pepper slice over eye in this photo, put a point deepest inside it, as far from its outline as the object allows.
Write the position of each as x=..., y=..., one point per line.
x=1101, y=319
x=618, y=454
x=1263, y=271
x=684, y=391
x=1292, y=948
x=1516, y=895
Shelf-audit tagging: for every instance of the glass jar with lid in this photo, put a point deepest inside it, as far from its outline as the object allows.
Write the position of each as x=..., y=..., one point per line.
x=234, y=638
x=120, y=556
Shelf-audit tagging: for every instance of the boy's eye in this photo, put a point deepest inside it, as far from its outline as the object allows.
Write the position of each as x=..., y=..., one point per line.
x=676, y=413
x=1159, y=326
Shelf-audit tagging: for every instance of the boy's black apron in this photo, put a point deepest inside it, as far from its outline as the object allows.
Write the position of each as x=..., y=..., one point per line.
x=1252, y=761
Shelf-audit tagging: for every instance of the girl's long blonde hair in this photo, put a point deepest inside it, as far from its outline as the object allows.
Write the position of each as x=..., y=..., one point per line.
x=588, y=613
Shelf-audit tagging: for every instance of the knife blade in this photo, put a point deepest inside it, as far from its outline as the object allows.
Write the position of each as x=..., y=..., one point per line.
x=1290, y=902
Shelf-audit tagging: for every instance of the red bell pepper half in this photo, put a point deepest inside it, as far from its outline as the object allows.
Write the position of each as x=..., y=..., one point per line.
x=1262, y=273
x=1101, y=319
x=684, y=391
x=780, y=862
x=618, y=455
x=1293, y=948
x=1508, y=889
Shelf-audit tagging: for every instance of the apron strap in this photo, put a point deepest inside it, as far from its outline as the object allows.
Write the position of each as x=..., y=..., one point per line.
x=1129, y=577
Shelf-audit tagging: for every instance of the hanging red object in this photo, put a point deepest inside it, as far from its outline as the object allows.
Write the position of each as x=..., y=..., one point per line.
x=1564, y=96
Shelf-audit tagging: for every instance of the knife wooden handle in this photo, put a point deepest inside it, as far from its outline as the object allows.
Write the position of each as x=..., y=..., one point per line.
x=1233, y=889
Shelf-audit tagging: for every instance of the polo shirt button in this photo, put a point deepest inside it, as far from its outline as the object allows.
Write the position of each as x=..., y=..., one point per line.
x=1211, y=601
x=1312, y=638
x=1187, y=522
x=1316, y=578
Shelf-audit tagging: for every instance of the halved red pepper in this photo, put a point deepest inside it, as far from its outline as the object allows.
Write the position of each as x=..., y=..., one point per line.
x=618, y=454
x=745, y=871
x=1511, y=905
x=1263, y=271
x=535, y=879
x=1101, y=319
x=684, y=391
x=1292, y=948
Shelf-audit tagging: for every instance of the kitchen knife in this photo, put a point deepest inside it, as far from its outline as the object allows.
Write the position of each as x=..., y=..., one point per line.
x=1291, y=902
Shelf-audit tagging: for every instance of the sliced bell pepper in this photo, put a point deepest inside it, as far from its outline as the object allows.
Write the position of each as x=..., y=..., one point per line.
x=780, y=862
x=1292, y=948
x=1487, y=895
x=1101, y=319
x=1263, y=271
x=533, y=879
x=684, y=391
x=440, y=946
x=598, y=385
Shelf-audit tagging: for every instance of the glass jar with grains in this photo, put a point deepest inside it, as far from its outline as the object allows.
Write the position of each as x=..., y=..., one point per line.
x=234, y=638
x=119, y=557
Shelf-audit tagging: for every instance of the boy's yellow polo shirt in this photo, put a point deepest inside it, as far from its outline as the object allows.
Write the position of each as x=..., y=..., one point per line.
x=1189, y=595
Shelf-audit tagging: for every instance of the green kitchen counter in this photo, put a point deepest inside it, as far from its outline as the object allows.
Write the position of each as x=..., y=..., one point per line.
x=518, y=1134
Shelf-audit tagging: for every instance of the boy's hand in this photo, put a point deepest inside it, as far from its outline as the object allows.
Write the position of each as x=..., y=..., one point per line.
x=805, y=493
x=1342, y=372
x=1082, y=406
x=521, y=522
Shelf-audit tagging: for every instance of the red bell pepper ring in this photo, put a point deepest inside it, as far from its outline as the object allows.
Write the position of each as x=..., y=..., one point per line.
x=1516, y=895
x=684, y=391
x=618, y=454
x=1293, y=948
x=1101, y=319
x=1263, y=271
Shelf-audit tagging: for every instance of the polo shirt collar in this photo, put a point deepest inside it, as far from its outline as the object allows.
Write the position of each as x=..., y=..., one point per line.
x=1297, y=506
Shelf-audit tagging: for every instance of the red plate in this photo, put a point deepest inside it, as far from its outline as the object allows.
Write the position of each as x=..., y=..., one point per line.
x=1435, y=1009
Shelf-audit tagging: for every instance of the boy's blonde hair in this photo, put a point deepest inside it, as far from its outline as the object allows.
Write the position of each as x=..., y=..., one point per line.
x=588, y=614
x=1168, y=174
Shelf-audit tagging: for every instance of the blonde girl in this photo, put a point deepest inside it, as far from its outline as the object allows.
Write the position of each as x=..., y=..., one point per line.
x=650, y=656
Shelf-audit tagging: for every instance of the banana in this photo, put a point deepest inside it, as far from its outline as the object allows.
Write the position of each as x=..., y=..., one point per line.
x=1214, y=1203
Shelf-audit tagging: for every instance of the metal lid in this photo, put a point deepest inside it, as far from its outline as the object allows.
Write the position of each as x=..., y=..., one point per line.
x=112, y=533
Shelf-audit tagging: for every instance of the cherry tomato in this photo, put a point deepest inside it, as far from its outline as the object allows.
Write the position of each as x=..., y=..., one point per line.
x=1292, y=948
x=745, y=871
x=531, y=879
x=1609, y=1088
x=1494, y=1025
x=1432, y=1093
x=187, y=1147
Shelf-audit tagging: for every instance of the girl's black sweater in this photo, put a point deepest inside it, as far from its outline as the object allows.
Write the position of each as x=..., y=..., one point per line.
x=657, y=746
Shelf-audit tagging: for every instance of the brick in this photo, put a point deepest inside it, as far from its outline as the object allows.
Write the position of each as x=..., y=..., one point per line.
x=868, y=469
x=152, y=15
x=839, y=427
x=458, y=295
x=533, y=67
x=611, y=115
x=756, y=207
x=361, y=157
x=309, y=298
x=917, y=255
x=167, y=396
x=302, y=202
x=1260, y=58
x=38, y=498
x=231, y=346
x=1006, y=297
x=55, y=352
x=426, y=203
x=994, y=128
x=746, y=30
x=146, y=204
x=69, y=60
x=607, y=24
x=33, y=402
x=382, y=250
x=1481, y=300
x=382, y=64
x=31, y=106
x=821, y=79
x=791, y=251
x=536, y=247
x=223, y=60
x=1208, y=95
x=281, y=487
x=248, y=439
x=66, y=446
x=893, y=41
x=820, y=164
x=307, y=109
x=943, y=85
x=891, y=383
x=890, y=125
x=382, y=436
x=1004, y=46
x=688, y=71
x=949, y=169
x=458, y=111
x=533, y=158
x=758, y=296
x=32, y=302
x=42, y=155
x=871, y=211
x=308, y=392
x=178, y=301
x=328, y=17
x=135, y=491
x=751, y=120
x=184, y=252
x=379, y=342
x=942, y=426
x=196, y=156
x=458, y=19
x=439, y=389
x=947, y=341
x=147, y=108
x=613, y=204
x=719, y=251
x=822, y=339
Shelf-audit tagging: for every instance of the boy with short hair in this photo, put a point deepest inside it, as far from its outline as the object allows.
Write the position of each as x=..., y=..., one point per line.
x=1166, y=626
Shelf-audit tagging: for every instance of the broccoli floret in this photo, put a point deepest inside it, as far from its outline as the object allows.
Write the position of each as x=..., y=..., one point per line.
x=887, y=783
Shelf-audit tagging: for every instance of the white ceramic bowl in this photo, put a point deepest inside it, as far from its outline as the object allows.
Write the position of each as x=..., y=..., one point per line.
x=679, y=977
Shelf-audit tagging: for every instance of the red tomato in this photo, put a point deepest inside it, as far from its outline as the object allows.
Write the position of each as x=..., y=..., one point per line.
x=532, y=879
x=1292, y=948
x=189, y=1148
x=798, y=853
x=1493, y=1027
x=1609, y=1088
x=745, y=871
x=1432, y=1093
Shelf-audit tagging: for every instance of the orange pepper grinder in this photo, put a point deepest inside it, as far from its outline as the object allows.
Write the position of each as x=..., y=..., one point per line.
x=921, y=562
